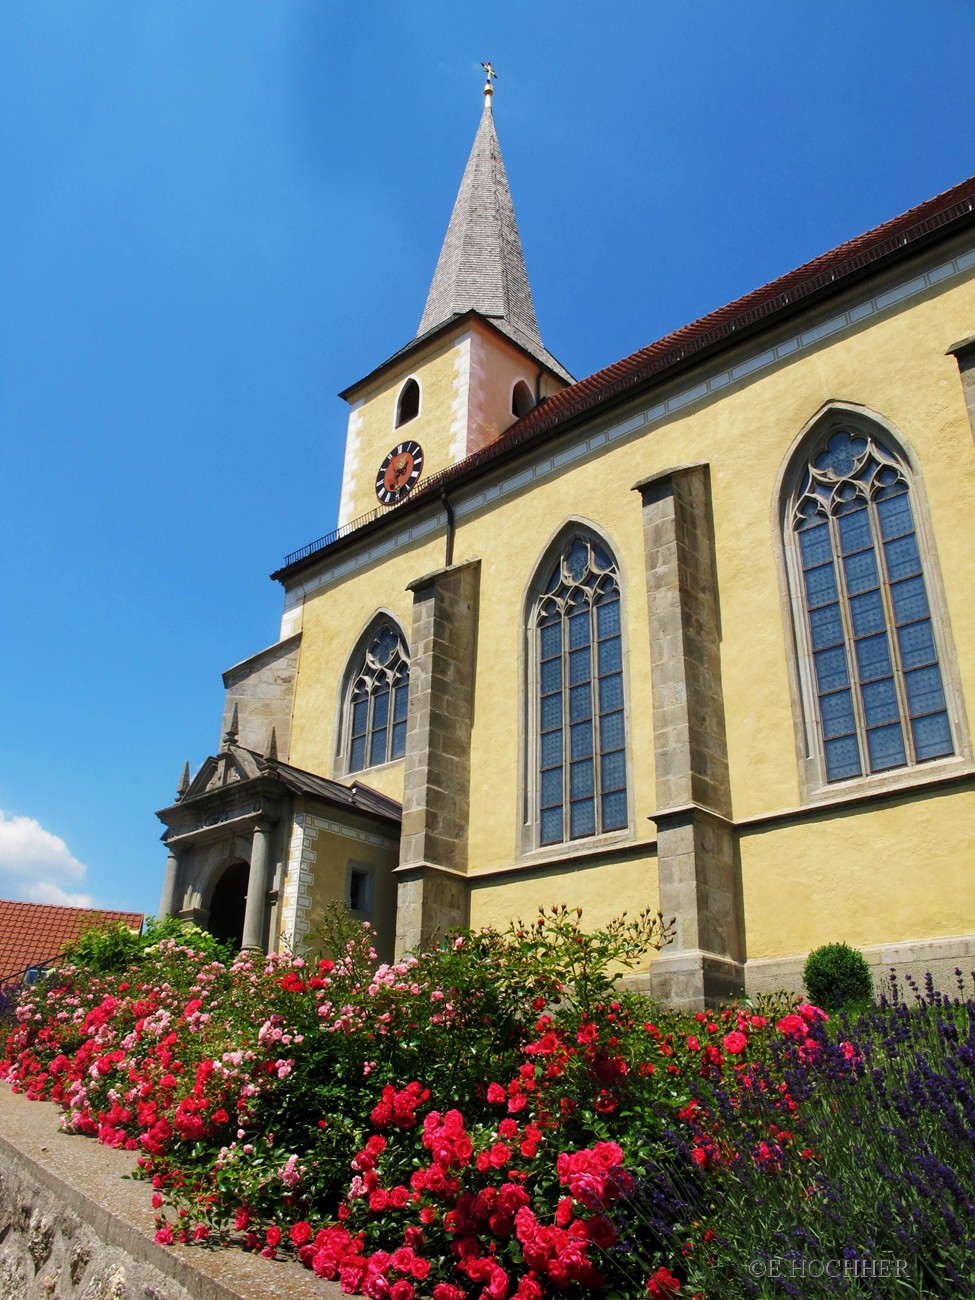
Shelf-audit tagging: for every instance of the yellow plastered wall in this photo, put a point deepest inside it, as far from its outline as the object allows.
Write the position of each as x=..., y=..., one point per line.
x=602, y=890
x=894, y=365
x=333, y=855
x=897, y=369
x=442, y=374
x=511, y=548
x=901, y=872
x=333, y=619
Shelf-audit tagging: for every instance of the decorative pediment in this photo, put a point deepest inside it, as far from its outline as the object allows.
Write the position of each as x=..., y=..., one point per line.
x=238, y=785
x=229, y=767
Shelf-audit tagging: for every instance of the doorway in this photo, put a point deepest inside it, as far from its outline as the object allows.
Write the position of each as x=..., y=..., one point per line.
x=228, y=904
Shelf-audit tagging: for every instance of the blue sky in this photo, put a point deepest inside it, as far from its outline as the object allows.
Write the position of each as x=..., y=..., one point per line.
x=214, y=216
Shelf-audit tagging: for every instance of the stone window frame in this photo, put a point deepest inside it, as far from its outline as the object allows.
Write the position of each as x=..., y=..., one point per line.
x=354, y=666
x=531, y=848
x=832, y=417
x=399, y=420
x=365, y=873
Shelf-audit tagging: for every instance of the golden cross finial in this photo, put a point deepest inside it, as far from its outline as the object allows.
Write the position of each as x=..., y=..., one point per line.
x=490, y=76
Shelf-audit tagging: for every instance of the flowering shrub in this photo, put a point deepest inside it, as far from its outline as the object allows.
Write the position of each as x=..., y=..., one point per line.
x=109, y=949
x=311, y=1105
x=487, y=1119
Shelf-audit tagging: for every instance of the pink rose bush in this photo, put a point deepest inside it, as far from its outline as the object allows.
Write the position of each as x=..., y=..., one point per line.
x=472, y=1121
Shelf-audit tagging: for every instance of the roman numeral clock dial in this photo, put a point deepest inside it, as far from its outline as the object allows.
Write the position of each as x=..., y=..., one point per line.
x=399, y=472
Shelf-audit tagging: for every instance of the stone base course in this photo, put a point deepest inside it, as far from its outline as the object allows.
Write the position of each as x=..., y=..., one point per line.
x=73, y=1228
x=938, y=957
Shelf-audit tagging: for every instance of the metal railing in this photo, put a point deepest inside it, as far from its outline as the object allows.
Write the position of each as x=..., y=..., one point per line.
x=424, y=492
x=343, y=530
x=27, y=974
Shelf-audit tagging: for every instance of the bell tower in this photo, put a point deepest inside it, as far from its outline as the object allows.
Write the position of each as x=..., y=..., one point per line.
x=477, y=363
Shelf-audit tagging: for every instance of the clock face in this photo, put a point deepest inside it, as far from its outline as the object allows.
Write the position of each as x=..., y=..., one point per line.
x=399, y=472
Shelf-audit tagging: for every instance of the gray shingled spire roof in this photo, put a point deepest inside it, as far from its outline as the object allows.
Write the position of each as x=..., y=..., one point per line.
x=481, y=266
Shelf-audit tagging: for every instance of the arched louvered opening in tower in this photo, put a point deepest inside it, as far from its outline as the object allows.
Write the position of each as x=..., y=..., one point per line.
x=522, y=400
x=408, y=406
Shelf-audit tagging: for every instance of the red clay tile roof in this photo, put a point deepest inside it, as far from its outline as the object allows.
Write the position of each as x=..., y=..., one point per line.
x=831, y=272
x=32, y=934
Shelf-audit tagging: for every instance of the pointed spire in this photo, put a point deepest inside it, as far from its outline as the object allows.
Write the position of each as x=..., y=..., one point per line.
x=481, y=265
x=184, y=781
x=271, y=753
x=230, y=735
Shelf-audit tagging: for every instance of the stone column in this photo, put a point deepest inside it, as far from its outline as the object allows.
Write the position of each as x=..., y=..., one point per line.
x=255, y=911
x=697, y=852
x=167, y=904
x=432, y=892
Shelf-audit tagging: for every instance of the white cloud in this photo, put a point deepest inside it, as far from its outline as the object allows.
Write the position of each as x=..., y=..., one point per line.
x=35, y=864
x=45, y=891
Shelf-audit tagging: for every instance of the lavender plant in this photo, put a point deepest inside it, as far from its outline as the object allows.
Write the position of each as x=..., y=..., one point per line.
x=854, y=1148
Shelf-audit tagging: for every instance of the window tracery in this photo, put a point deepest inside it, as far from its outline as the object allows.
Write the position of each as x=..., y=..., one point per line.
x=875, y=686
x=577, y=697
x=378, y=700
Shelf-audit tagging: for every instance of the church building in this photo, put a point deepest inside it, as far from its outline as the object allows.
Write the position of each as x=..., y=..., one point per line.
x=695, y=633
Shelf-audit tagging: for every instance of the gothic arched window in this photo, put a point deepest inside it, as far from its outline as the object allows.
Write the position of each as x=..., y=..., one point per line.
x=576, y=697
x=873, y=679
x=377, y=701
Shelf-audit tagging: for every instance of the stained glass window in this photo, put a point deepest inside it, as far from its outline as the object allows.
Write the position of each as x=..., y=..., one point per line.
x=578, y=697
x=378, y=702
x=879, y=698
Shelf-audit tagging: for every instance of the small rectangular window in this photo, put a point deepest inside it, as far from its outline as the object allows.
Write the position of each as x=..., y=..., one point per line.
x=358, y=888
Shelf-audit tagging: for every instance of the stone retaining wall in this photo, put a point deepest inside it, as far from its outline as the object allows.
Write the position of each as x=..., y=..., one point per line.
x=72, y=1227
x=47, y=1251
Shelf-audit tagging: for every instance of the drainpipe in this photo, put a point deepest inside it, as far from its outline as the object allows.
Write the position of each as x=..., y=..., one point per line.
x=449, y=558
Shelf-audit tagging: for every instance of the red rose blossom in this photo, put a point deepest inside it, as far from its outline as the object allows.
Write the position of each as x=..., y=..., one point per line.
x=300, y=1233
x=735, y=1042
x=663, y=1284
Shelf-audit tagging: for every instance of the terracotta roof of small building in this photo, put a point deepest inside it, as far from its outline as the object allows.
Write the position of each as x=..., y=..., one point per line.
x=35, y=934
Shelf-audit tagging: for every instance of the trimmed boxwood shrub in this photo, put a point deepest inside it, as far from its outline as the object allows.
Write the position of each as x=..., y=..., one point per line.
x=837, y=976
